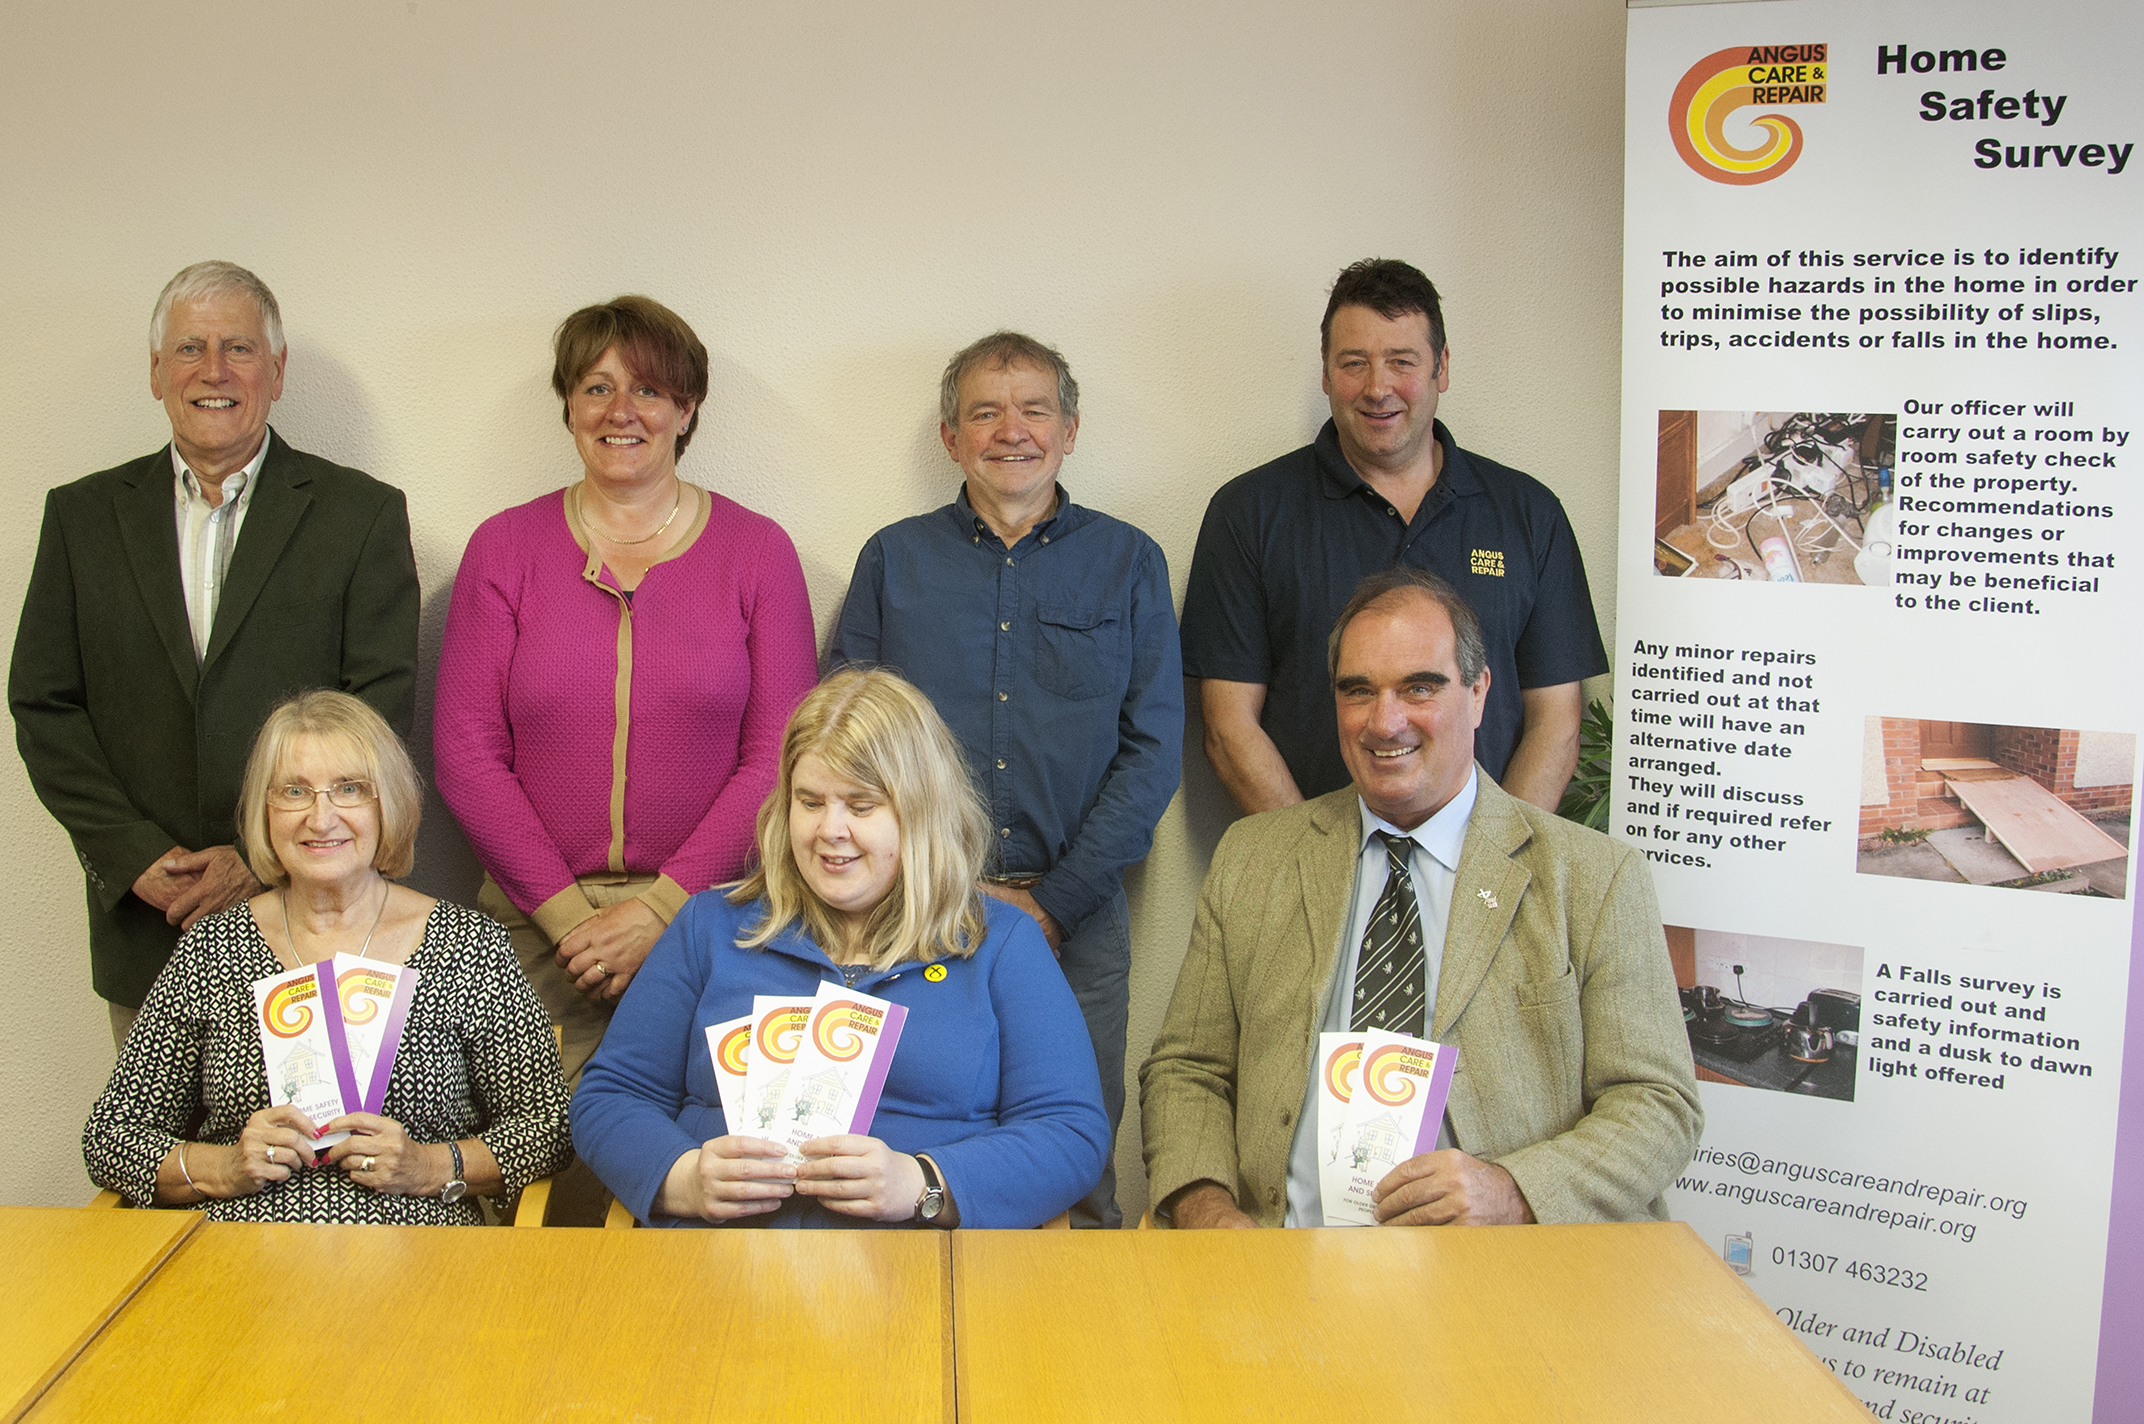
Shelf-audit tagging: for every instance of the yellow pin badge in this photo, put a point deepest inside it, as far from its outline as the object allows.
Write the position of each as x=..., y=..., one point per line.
x=934, y=973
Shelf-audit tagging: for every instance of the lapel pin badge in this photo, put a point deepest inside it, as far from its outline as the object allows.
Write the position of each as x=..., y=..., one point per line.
x=1487, y=897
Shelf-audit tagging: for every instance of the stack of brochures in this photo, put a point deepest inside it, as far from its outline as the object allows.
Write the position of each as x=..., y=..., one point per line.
x=329, y=1033
x=796, y=1069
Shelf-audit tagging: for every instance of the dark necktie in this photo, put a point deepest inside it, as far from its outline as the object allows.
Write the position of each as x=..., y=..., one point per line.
x=1391, y=973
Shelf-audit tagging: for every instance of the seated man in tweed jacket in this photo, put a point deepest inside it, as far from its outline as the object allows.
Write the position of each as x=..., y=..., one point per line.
x=1423, y=899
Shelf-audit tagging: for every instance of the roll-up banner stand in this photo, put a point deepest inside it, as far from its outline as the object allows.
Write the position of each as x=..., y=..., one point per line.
x=1879, y=631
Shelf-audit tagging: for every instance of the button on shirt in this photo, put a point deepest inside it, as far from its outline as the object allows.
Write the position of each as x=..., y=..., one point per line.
x=1282, y=548
x=207, y=535
x=1055, y=662
x=1434, y=866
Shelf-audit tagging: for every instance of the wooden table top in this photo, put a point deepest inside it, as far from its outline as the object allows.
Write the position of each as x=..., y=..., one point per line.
x=410, y=1323
x=1602, y=1323
x=63, y=1272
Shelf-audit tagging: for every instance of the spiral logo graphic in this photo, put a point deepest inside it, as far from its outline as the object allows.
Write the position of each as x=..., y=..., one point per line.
x=1340, y=1067
x=1390, y=1073
x=361, y=992
x=288, y=1011
x=1728, y=80
x=732, y=1047
x=834, y=1030
x=780, y=1033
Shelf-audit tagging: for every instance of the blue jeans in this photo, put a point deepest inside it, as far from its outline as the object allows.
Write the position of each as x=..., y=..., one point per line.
x=1097, y=962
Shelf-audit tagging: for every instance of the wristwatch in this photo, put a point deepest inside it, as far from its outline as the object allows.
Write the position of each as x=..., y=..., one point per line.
x=931, y=1207
x=455, y=1190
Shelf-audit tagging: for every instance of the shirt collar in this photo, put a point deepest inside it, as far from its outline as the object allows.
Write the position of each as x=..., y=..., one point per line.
x=1442, y=835
x=189, y=482
x=1058, y=522
x=1338, y=479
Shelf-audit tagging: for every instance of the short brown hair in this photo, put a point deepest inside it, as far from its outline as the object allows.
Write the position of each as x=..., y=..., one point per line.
x=1469, y=651
x=997, y=351
x=379, y=758
x=1392, y=289
x=655, y=343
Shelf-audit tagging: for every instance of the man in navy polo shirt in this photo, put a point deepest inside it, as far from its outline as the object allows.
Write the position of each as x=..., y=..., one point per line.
x=1044, y=634
x=1383, y=485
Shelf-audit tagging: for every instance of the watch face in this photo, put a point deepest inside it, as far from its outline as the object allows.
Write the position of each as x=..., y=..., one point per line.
x=933, y=1203
x=453, y=1192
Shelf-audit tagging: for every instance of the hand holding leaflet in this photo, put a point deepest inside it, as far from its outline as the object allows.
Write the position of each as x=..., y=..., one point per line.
x=840, y=1068
x=1393, y=1115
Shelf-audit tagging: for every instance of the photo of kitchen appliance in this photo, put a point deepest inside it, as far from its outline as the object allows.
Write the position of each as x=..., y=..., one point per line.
x=1787, y=1026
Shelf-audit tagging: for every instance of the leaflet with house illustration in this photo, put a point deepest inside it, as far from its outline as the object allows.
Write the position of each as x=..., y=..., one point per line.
x=1339, y=1059
x=778, y=1025
x=840, y=1069
x=375, y=1006
x=304, y=1051
x=1393, y=1114
x=729, y=1044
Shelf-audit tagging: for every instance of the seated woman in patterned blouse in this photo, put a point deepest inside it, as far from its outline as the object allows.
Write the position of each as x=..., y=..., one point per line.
x=476, y=1104
x=870, y=848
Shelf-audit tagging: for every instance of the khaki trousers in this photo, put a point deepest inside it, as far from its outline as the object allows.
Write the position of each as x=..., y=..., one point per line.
x=577, y=1198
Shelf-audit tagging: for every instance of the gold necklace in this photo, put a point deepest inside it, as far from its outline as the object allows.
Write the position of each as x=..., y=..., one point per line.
x=601, y=532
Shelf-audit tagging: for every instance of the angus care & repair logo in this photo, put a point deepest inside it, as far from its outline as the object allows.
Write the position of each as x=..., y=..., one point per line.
x=1744, y=77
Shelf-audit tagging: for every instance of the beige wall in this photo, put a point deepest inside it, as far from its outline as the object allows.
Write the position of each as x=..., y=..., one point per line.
x=837, y=196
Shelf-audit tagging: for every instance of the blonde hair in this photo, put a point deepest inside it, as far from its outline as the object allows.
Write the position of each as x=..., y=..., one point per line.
x=879, y=732
x=380, y=759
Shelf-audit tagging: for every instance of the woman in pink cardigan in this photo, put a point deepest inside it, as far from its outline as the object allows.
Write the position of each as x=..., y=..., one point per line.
x=620, y=659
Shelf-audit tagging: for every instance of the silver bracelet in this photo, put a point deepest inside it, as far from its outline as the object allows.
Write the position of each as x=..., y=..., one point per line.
x=188, y=1175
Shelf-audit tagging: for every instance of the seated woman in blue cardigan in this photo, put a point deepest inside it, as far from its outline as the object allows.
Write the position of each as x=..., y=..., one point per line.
x=870, y=847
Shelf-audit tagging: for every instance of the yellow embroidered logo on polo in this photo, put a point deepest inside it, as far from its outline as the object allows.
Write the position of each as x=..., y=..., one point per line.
x=935, y=973
x=1487, y=561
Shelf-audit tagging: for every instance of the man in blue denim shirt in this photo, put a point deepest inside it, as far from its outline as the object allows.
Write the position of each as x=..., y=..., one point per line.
x=1045, y=635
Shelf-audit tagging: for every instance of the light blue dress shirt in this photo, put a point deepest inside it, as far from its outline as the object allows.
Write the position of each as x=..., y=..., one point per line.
x=1434, y=867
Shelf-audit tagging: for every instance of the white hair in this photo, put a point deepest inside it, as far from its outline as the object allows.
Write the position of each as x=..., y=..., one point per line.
x=216, y=279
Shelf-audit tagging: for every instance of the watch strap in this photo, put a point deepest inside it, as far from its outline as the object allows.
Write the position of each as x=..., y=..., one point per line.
x=948, y=1215
x=457, y=1187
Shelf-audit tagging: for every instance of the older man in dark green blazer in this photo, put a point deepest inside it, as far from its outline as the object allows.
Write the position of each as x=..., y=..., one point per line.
x=174, y=600
x=1425, y=900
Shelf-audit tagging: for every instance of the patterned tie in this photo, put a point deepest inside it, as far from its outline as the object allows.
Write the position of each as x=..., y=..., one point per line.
x=1392, y=974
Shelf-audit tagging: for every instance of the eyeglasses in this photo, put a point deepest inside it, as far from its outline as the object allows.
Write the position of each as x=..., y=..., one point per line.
x=346, y=794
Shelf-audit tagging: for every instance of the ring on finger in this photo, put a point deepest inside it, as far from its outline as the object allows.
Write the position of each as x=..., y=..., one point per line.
x=601, y=972
x=271, y=1154
x=369, y=1161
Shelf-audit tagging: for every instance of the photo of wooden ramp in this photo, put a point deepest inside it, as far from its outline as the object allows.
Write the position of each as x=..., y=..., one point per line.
x=2025, y=817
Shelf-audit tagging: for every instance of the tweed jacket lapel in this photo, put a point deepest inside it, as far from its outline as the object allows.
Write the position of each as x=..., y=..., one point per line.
x=149, y=536
x=271, y=519
x=1325, y=864
x=1485, y=896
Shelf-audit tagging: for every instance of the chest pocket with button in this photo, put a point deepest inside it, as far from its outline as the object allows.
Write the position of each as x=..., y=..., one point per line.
x=1079, y=651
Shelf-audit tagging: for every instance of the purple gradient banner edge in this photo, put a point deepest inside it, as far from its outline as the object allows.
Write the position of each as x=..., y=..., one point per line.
x=383, y=1066
x=2118, y=1395
x=889, y=1039
x=1439, y=1092
x=338, y=1041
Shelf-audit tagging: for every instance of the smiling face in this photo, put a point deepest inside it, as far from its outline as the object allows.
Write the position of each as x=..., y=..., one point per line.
x=217, y=378
x=325, y=844
x=1012, y=435
x=1379, y=375
x=626, y=429
x=1406, y=720
x=845, y=838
